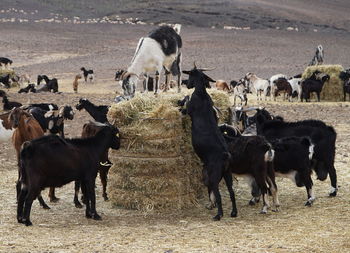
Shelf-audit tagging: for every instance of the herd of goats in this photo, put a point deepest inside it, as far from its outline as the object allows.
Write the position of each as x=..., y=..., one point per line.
x=265, y=147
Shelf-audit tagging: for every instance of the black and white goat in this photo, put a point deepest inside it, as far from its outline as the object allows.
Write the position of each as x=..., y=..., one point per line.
x=88, y=74
x=161, y=48
x=52, y=120
x=51, y=85
x=30, y=88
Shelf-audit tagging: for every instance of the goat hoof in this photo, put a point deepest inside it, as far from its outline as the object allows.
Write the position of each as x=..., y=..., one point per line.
x=105, y=198
x=251, y=202
x=333, y=194
x=78, y=205
x=54, y=199
x=20, y=220
x=46, y=207
x=234, y=214
x=217, y=217
x=263, y=212
x=308, y=203
x=96, y=217
x=28, y=223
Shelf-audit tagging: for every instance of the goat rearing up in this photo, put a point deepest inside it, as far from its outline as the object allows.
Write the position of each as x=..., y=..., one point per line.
x=160, y=49
x=207, y=140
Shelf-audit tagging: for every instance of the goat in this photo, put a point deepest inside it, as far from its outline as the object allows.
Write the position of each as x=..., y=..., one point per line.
x=5, y=62
x=257, y=85
x=25, y=128
x=6, y=129
x=5, y=81
x=2, y=93
x=160, y=49
x=8, y=105
x=52, y=120
x=222, y=85
x=88, y=74
x=75, y=83
x=322, y=136
x=295, y=83
x=310, y=85
x=252, y=156
x=74, y=160
x=118, y=74
x=272, y=79
x=318, y=57
x=89, y=130
x=207, y=141
x=99, y=113
x=345, y=77
x=51, y=85
x=282, y=85
x=240, y=91
x=30, y=88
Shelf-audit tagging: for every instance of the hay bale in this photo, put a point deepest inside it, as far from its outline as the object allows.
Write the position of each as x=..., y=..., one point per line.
x=156, y=167
x=332, y=89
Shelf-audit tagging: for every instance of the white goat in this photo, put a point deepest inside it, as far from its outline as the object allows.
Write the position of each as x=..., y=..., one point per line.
x=160, y=49
x=257, y=85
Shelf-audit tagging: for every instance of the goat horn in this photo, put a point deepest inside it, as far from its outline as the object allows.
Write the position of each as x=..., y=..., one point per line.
x=194, y=65
x=206, y=69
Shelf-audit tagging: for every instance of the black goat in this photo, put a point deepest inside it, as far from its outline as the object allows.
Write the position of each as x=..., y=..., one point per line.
x=2, y=93
x=88, y=74
x=5, y=80
x=5, y=61
x=30, y=88
x=207, y=140
x=345, y=77
x=321, y=135
x=52, y=120
x=252, y=156
x=51, y=85
x=310, y=85
x=8, y=105
x=89, y=130
x=99, y=113
x=52, y=161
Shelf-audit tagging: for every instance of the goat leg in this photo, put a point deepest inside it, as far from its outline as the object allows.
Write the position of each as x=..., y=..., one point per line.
x=218, y=202
x=52, y=196
x=228, y=181
x=76, y=195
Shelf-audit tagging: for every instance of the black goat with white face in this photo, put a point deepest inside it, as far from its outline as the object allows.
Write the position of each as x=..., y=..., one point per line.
x=207, y=140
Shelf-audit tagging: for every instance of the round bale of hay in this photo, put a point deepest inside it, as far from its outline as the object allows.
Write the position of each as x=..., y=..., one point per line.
x=156, y=167
x=332, y=89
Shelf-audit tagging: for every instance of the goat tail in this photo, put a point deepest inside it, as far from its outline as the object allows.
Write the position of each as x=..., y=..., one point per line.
x=270, y=154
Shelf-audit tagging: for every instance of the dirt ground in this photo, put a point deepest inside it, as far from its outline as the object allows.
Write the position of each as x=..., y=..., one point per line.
x=59, y=50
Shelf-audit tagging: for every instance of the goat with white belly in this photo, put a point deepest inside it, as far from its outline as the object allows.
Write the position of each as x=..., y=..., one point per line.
x=160, y=49
x=257, y=85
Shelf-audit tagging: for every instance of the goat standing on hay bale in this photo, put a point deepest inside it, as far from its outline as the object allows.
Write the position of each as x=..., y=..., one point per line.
x=161, y=49
x=318, y=57
x=207, y=140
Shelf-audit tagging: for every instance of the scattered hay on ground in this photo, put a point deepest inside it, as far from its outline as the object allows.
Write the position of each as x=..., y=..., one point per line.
x=156, y=167
x=333, y=89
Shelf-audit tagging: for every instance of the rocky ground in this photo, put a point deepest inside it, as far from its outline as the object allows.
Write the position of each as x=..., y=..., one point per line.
x=61, y=49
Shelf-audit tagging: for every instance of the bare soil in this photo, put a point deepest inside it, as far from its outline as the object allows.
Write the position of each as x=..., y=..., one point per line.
x=59, y=50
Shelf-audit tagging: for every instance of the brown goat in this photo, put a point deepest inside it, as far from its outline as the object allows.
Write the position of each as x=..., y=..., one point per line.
x=222, y=85
x=26, y=129
x=282, y=85
x=75, y=83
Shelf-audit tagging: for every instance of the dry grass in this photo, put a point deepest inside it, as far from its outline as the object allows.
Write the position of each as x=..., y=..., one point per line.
x=156, y=167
